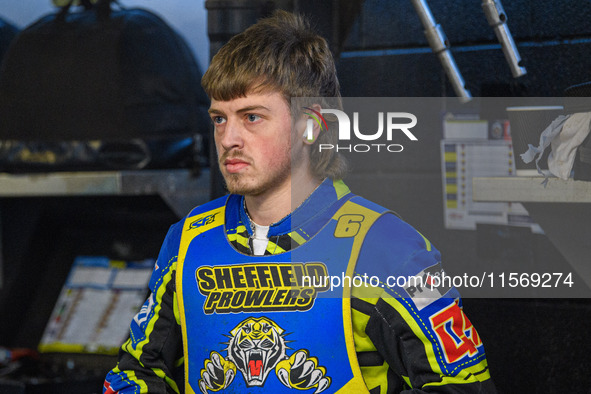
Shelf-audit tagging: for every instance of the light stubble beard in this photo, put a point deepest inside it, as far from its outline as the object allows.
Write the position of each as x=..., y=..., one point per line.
x=248, y=185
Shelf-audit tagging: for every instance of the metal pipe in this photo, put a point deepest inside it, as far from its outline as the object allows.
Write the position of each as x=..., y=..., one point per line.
x=440, y=46
x=497, y=19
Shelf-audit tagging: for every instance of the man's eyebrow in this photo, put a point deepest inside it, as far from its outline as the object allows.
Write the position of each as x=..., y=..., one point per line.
x=215, y=111
x=253, y=108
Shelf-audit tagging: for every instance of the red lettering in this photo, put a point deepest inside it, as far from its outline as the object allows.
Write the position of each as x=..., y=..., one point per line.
x=456, y=333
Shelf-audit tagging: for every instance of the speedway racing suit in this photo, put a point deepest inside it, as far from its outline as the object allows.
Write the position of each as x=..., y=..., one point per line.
x=407, y=337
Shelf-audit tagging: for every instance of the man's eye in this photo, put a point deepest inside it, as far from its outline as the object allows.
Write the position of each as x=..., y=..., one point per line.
x=218, y=120
x=252, y=117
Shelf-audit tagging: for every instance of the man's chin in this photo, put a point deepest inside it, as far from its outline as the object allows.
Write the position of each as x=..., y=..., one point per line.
x=235, y=185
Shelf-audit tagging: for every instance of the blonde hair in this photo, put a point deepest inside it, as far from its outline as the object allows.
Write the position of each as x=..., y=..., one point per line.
x=281, y=53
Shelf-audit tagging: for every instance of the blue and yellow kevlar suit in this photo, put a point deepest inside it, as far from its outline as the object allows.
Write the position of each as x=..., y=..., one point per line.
x=232, y=322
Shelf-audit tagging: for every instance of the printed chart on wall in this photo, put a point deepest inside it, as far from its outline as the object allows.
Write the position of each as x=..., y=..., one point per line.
x=475, y=148
x=96, y=304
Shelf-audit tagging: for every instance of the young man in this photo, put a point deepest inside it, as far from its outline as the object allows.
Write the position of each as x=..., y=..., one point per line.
x=238, y=300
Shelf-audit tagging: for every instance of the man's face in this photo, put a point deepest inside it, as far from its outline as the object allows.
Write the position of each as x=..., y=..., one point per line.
x=253, y=142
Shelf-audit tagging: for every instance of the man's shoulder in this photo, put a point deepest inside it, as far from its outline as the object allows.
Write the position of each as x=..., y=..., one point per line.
x=383, y=217
x=200, y=212
x=389, y=231
x=366, y=204
x=210, y=206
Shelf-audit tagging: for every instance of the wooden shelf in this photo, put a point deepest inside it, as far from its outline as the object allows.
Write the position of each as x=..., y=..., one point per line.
x=178, y=187
x=530, y=189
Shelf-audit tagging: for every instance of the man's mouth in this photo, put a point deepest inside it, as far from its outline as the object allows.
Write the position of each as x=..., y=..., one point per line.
x=235, y=165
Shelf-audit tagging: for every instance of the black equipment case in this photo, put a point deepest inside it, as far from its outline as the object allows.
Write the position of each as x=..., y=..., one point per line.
x=7, y=33
x=103, y=73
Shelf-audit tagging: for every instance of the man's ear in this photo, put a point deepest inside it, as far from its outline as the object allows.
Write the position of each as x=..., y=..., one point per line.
x=314, y=121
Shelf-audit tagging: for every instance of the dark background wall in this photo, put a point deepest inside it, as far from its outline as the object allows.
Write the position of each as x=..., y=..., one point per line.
x=553, y=39
x=533, y=345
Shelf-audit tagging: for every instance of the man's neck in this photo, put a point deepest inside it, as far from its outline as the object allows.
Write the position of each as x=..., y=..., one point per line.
x=271, y=207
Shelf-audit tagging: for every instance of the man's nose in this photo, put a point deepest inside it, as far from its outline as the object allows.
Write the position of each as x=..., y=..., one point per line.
x=232, y=136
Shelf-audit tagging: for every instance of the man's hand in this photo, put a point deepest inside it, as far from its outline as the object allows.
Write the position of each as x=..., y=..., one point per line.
x=217, y=374
x=302, y=372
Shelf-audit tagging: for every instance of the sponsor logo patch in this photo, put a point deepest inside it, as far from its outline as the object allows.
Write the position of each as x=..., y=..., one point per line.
x=426, y=287
x=204, y=220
